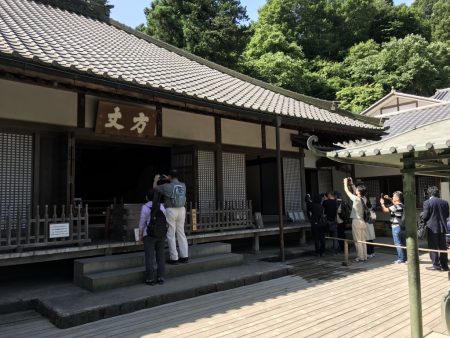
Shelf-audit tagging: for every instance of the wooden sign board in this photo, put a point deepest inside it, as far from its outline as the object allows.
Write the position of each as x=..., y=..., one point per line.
x=125, y=120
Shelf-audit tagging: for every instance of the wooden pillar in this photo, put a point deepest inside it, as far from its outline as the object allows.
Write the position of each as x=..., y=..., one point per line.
x=159, y=120
x=81, y=110
x=36, y=170
x=280, y=186
x=70, y=190
x=218, y=160
x=302, y=179
x=415, y=299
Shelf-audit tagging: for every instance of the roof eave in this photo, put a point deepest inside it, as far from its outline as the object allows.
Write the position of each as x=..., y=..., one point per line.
x=74, y=75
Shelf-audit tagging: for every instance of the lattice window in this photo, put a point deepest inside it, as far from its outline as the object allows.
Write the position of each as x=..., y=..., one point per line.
x=373, y=188
x=422, y=184
x=234, y=185
x=206, y=180
x=16, y=162
x=325, y=180
x=292, y=184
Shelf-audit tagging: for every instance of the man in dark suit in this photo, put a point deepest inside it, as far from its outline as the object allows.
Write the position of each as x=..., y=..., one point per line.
x=435, y=214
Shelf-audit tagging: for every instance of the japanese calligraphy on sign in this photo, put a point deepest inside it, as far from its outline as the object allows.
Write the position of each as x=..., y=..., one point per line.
x=125, y=120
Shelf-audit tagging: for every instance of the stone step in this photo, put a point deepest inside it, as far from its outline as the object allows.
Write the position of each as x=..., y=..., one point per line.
x=127, y=276
x=86, y=266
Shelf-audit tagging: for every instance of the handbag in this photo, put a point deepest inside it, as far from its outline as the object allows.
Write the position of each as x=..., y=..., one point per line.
x=370, y=232
x=421, y=230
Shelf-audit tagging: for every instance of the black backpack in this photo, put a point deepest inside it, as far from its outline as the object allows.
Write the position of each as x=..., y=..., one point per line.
x=367, y=214
x=345, y=212
x=157, y=225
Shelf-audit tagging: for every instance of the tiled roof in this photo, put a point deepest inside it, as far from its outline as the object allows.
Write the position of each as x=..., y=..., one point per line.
x=61, y=39
x=407, y=120
x=411, y=119
x=442, y=94
x=431, y=136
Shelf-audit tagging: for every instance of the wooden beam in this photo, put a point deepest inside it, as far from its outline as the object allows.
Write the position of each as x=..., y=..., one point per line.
x=426, y=158
x=431, y=168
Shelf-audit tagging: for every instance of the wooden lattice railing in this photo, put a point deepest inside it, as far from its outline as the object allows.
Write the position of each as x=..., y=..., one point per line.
x=42, y=229
x=220, y=216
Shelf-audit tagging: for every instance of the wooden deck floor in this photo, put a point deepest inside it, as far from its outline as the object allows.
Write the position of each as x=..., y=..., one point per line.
x=323, y=299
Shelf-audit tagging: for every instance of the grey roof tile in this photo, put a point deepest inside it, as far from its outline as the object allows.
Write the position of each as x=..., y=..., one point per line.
x=442, y=94
x=64, y=39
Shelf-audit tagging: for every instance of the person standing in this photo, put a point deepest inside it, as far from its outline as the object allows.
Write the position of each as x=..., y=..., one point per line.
x=317, y=226
x=435, y=214
x=330, y=208
x=396, y=210
x=342, y=217
x=153, y=247
x=357, y=216
x=174, y=194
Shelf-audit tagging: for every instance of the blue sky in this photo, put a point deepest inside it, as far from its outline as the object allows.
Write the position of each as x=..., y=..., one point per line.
x=131, y=12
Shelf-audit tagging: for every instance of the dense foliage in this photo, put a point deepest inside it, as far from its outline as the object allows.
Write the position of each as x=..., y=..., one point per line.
x=353, y=51
x=213, y=29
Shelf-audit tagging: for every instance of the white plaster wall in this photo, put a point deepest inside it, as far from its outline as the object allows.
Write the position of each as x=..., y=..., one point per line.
x=241, y=133
x=187, y=126
x=371, y=171
x=310, y=159
x=32, y=103
x=285, y=139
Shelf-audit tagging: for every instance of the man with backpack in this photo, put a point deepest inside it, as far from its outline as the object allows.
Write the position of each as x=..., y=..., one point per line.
x=174, y=194
x=342, y=218
x=396, y=209
x=154, y=241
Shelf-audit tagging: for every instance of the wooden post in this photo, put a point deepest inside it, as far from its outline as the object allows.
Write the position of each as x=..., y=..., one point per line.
x=37, y=226
x=28, y=225
x=86, y=222
x=9, y=228
x=346, y=262
x=280, y=188
x=415, y=301
x=46, y=224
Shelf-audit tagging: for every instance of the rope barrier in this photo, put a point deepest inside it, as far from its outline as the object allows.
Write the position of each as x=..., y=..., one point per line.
x=346, y=241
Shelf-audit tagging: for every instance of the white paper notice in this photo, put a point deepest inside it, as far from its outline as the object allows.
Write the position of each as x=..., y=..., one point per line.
x=58, y=230
x=136, y=234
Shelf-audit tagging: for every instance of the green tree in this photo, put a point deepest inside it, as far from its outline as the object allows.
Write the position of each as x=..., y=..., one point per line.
x=357, y=98
x=270, y=57
x=440, y=20
x=398, y=21
x=410, y=65
x=213, y=29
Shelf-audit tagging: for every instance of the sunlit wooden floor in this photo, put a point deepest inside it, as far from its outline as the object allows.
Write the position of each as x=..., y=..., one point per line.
x=323, y=299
